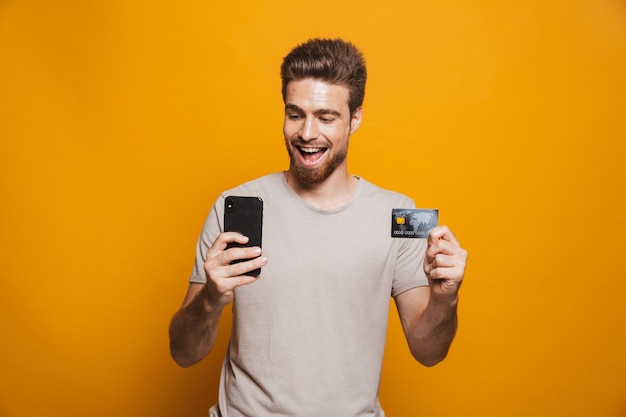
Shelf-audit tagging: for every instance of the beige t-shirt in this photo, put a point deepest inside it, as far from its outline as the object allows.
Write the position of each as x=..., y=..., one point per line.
x=308, y=336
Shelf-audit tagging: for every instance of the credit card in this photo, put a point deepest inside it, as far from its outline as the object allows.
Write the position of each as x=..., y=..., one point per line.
x=413, y=223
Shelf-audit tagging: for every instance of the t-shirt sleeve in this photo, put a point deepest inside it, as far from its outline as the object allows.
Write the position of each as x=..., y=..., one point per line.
x=409, y=272
x=213, y=226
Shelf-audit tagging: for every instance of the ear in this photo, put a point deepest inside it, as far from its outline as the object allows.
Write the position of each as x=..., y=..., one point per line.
x=355, y=121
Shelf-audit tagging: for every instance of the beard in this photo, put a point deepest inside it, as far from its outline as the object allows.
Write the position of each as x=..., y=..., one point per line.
x=312, y=176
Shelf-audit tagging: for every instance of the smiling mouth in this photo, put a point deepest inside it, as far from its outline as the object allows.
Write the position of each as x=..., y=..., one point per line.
x=310, y=154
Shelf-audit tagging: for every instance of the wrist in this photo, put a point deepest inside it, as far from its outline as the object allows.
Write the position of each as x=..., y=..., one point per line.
x=444, y=300
x=210, y=301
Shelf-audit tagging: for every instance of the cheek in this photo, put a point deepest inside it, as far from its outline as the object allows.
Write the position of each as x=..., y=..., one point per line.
x=336, y=134
x=290, y=129
x=286, y=130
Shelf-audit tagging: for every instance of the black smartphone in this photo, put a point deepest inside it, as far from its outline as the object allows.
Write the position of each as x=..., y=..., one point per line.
x=244, y=215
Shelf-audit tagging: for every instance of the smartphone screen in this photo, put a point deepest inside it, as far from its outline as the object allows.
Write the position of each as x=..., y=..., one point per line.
x=244, y=215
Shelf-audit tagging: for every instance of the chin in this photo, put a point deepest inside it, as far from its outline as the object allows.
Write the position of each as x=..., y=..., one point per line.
x=310, y=176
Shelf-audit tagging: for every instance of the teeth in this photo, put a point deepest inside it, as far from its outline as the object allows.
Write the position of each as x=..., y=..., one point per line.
x=311, y=150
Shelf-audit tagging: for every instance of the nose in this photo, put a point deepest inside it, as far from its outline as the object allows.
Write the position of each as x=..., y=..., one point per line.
x=309, y=129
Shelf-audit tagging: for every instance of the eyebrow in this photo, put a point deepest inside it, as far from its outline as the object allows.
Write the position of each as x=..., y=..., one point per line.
x=317, y=112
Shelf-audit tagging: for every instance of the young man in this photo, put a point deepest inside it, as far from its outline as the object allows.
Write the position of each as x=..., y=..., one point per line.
x=309, y=332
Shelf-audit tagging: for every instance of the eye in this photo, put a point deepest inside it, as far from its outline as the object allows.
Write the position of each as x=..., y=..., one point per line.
x=293, y=116
x=327, y=119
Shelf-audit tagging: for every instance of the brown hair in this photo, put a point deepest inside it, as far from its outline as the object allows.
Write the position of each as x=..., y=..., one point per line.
x=334, y=61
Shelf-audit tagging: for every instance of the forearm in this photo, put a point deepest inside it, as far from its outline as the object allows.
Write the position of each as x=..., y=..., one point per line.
x=432, y=334
x=193, y=330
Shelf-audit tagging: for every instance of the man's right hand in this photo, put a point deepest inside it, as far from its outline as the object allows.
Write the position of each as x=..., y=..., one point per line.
x=222, y=276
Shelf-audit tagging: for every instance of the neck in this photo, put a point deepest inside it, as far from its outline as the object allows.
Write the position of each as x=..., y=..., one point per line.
x=332, y=193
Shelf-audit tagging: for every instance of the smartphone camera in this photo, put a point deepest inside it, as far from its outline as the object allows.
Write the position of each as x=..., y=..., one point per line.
x=229, y=205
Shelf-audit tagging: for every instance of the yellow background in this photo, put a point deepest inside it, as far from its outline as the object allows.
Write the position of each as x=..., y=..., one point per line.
x=121, y=121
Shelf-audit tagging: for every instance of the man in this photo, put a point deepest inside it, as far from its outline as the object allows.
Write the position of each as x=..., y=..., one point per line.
x=309, y=332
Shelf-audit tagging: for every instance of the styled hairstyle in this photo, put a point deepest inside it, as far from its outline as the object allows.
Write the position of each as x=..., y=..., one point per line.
x=334, y=61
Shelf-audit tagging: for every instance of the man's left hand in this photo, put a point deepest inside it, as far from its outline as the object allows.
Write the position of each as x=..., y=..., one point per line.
x=444, y=263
